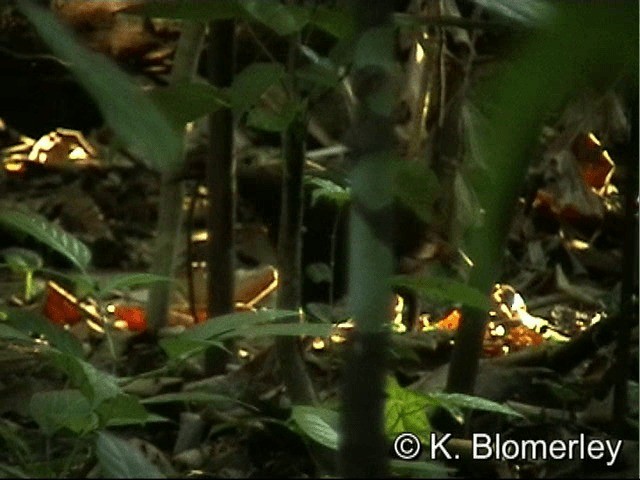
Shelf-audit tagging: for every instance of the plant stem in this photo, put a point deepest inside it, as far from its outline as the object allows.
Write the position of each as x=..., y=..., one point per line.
x=171, y=191
x=221, y=186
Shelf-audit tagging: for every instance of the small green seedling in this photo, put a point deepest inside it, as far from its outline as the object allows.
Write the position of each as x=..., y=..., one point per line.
x=25, y=262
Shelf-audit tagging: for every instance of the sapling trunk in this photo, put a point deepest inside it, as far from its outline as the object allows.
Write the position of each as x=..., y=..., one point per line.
x=171, y=191
x=221, y=188
x=363, y=449
x=292, y=367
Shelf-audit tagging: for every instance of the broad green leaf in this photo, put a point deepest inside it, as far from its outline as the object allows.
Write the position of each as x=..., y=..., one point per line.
x=319, y=424
x=375, y=49
x=122, y=410
x=283, y=330
x=459, y=400
x=187, y=102
x=12, y=334
x=317, y=75
x=61, y=409
x=194, y=10
x=29, y=322
x=50, y=234
x=327, y=190
x=319, y=272
x=266, y=119
x=96, y=385
x=211, y=332
x=227, y=324
x=444, y=290
x=131, y=280
x=406, y=411
x=22, y=260
x=119, y=459
x=251, y=83
x=416, y=186
x=133, y=116
x=336, y=22
x=179, y=348
x=282, y=19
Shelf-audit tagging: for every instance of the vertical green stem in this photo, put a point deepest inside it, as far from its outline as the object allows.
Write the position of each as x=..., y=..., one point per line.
x=171, y=191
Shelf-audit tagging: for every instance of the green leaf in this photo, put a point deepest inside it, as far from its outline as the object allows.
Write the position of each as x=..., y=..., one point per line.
x=406, y=411
x=122, y=410
x=444, y=290
x=119, y=459
x=327, y=190
x=22, y=260
x=284, y=330
x=319, y=272
x=251, y=83
x=319, y=424
x=375, y=49
x=194, y=10
x=132, y=115
x=131, y=280
x=60, y=409
x=459, y=400
x=96, y=385
x=187, y=102
x=10, y=333
x=336, y=22
x=50, y=234
x=416, y=186
x=282, y=19
x=264, y=118
x=29, y=322
x=211, y=332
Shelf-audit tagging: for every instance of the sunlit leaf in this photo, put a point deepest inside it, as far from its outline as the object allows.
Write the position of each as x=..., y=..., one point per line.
x=405, y=411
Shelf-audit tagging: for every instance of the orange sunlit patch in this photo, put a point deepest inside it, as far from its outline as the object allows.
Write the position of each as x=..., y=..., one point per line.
x=60, y=306
x=451, y=321
x=520, y=337
x=595, y=163
x=135, y=317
